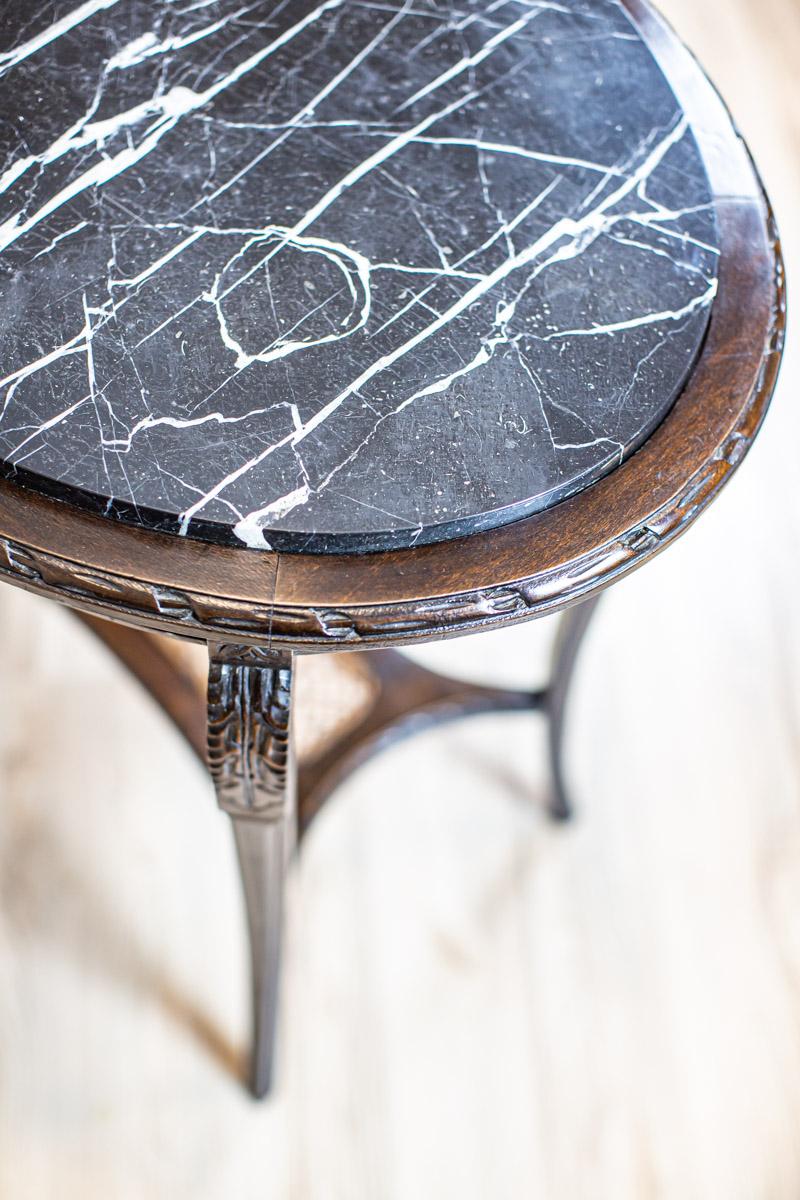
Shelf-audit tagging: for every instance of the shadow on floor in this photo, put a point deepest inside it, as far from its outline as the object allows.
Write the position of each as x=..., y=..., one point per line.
x=46, y=897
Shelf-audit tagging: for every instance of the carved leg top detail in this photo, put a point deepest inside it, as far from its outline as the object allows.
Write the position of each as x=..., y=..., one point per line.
x=249, y=701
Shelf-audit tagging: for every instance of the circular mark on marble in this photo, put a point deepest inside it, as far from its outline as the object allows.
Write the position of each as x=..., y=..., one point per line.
x=282, y=293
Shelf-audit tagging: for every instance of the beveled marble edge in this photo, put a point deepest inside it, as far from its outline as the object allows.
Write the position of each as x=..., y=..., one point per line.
x=728, y=163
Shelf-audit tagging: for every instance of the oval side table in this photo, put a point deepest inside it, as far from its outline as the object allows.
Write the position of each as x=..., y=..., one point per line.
x=327, y=327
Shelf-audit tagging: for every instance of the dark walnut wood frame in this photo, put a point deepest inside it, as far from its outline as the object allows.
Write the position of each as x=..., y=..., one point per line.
x=257, y=609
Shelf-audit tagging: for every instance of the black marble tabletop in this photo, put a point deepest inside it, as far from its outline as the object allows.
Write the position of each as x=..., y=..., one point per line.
x=342, y=275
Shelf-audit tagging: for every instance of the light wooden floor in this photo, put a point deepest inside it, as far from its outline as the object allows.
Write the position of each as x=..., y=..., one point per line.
x=475, y=1004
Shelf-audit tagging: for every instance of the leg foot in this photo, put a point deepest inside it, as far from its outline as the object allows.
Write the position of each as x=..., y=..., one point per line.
x=251, y=763
x=574, y=624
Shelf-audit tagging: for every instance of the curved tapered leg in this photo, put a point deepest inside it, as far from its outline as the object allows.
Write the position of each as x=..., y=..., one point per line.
x=263, y=850
x=569, y=638
x=251, y=763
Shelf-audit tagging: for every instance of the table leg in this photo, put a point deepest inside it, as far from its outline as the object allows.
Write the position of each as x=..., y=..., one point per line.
x=251, y=762
x=157, y=662
x=571, y=632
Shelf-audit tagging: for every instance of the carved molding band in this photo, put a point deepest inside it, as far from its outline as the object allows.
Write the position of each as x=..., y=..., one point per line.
x=248, y=731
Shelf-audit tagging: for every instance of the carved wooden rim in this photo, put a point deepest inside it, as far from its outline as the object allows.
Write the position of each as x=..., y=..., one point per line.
x=533, y=566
